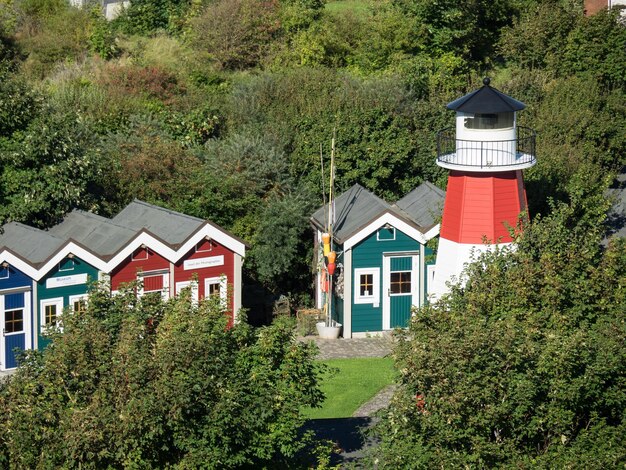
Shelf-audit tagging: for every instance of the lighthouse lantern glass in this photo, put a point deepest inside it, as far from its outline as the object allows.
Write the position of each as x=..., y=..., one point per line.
x=490, y=121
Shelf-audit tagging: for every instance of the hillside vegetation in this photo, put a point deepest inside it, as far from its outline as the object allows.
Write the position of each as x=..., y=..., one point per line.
x=220, y=109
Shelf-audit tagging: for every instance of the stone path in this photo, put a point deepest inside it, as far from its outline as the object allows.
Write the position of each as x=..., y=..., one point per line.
x=348, y=433
x=377, y=346
x=378, y=402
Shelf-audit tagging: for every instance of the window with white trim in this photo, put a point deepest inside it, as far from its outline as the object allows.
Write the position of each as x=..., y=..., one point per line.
x=154, y=282
x=140, y=254
x=216, y=286
x=367, y=286
x=51, y=311
x=67, y=265
x=204, y=246
x=78, y=303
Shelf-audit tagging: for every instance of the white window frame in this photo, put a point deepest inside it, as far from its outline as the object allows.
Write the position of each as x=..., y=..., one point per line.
x=204, y=251
x=223, y=288
x=374, y=297
x=58, y=302
x=385, y=239
x=166, y=283
x=146, y=250
x=193, y=285
x=75, y=298
x=67, y=269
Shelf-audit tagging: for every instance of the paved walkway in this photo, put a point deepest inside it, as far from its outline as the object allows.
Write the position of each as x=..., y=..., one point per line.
x=349, y=433
x=376, y=346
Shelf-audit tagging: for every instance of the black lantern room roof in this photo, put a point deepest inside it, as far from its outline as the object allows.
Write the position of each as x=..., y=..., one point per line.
x=486, y=100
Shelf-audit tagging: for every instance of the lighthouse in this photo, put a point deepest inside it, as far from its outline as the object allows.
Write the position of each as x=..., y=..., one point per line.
x=485, y=154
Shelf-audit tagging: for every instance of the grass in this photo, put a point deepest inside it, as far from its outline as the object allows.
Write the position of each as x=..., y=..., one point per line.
x=358, y=7
x=350, y=383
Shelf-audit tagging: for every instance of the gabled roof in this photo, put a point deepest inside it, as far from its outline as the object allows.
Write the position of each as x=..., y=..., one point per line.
x=357, y=208
x=353, y=210
x=172, y=227
x=486, y=100
x=424, y=204
x=100, y=234
x=29, y=243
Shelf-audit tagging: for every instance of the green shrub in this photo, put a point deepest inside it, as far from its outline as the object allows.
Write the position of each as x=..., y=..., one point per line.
x=145, y=384
x=524, y=366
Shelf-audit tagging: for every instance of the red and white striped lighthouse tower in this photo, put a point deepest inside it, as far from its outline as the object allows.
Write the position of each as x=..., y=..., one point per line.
x=485, y=154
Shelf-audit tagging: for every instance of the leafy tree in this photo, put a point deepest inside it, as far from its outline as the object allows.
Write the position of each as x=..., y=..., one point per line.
x=525, y=365
x=236, y=33
x=50, y=168
x=469, y=29
x=282, y=243
x=146, y=384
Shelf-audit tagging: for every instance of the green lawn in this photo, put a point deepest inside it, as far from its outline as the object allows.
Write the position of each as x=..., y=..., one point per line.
x=350, y=383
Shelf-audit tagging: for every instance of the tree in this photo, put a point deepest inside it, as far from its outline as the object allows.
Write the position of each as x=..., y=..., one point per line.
x=146, y=384
x=50, y=168
x=237, y=33
x=525, y=365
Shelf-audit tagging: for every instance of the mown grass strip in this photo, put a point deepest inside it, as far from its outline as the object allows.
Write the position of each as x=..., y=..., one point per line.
x=350, y=383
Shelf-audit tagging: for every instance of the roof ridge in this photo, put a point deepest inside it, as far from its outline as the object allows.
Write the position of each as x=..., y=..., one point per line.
x=102, y=219
x=34, y=229
x=170, y=211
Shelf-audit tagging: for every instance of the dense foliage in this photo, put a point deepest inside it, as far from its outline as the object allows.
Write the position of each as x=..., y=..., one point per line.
x=221, y=108
x=138, y=383
x=525, y=367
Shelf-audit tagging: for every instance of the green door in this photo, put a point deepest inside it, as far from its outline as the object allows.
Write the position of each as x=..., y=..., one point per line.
x=400, y=289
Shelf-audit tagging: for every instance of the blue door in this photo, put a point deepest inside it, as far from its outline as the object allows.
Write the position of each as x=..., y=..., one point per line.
x=13, y=318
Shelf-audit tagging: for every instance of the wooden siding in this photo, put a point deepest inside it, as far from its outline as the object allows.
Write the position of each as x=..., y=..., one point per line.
x=207, y=249
x=44, y=292
x=369, y=254
x=13, y=278
x=482, y=205
x=144, y=260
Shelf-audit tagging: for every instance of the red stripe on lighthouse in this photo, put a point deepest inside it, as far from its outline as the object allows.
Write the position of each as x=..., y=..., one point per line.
x=482, y=205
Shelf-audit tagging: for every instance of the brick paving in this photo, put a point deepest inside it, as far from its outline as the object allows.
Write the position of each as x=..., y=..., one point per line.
x=376, y=346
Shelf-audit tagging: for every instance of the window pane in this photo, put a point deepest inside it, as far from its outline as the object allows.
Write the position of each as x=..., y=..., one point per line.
x=13, y=321
x=214, y=289
x=400, y=283
x=80, y=306
x=490, y=121
x=366, y=285
x=50, y=315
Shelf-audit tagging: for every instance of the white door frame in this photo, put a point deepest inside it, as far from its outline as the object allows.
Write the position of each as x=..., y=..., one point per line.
x=26, y=324
x=387, y=285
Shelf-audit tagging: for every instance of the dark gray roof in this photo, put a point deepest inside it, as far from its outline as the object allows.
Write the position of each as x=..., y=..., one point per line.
x=357, y=207
x=486, y=100
x=31, y=244
x=171, y=227
x=423, y=205
x=617, y=214
x=354, y=209
x=99, y=234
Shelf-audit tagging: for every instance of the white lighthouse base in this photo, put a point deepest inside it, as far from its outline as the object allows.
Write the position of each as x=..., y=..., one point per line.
x=452, y=258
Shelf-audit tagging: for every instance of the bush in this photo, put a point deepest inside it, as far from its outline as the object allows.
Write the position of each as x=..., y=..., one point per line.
x=524, y=366
x=145, y=384
x=236, y=33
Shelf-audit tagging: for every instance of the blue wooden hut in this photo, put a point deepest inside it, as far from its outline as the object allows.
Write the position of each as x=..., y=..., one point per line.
x=383, y=263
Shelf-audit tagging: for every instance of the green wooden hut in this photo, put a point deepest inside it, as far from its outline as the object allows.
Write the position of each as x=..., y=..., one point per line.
x=383, y=264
